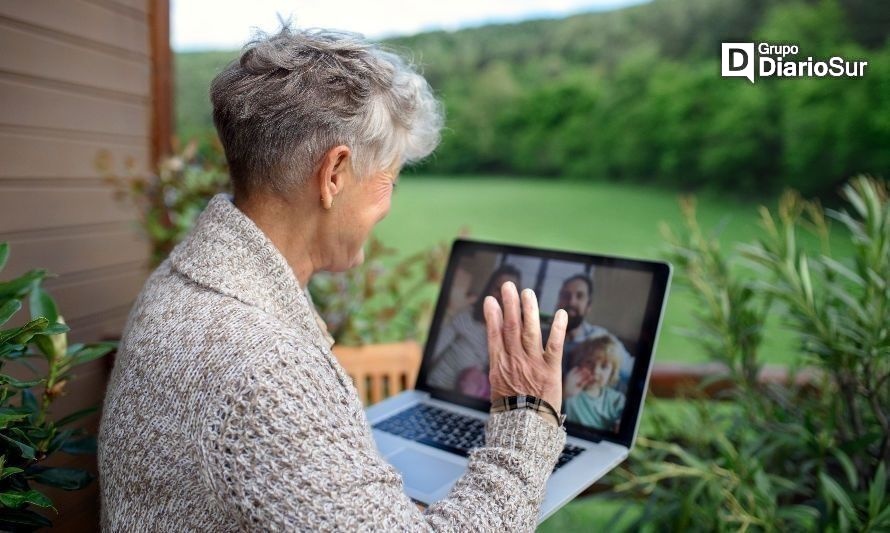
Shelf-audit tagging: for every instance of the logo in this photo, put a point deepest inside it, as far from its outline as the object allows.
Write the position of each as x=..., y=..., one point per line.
x=737, y=60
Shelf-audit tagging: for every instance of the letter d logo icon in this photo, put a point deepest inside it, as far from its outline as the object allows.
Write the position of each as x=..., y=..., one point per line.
x=737, y=60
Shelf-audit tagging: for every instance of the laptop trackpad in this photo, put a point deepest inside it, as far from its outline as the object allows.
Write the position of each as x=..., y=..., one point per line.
x=423, y=472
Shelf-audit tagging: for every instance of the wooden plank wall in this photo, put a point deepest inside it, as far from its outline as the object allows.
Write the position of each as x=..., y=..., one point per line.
x=76, y=78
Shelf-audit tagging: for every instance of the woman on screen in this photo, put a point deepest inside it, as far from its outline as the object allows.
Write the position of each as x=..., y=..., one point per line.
x=461, y=356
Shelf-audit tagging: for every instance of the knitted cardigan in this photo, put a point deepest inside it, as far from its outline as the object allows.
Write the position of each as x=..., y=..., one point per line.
x=226, y=411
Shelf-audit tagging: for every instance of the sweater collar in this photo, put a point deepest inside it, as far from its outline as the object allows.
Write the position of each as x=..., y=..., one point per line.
x=226, y=252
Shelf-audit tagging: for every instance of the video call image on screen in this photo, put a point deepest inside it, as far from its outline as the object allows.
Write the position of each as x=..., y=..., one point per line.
x=606, y=308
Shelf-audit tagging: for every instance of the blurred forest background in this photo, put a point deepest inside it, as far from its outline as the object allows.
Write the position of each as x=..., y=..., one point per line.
x=635, y=96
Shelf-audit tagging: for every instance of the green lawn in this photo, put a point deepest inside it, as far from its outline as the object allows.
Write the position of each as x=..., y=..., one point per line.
x=598, y=217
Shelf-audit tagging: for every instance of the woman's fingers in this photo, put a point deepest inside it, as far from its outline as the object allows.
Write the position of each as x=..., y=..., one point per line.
x=531, y=322
x=553, y=352
x=512, y=321
x=493, y=325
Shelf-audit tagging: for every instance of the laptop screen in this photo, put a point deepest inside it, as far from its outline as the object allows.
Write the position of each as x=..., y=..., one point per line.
x=614, y=307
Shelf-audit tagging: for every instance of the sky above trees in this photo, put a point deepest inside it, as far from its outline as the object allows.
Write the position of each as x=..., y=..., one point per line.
x=227, y=24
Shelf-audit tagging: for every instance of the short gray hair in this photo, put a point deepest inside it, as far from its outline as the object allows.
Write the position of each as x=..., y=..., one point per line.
x=294, y=95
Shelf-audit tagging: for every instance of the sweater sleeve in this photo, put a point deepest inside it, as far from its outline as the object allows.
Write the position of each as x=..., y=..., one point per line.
x=287, y=447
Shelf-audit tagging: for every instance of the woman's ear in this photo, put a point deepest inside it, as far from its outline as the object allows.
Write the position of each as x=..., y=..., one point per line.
x=333, y=173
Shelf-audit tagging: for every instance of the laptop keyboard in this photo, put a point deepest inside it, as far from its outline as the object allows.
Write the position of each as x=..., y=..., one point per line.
x=449, y=431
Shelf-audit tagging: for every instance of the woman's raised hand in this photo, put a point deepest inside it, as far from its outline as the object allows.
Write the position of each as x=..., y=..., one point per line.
x=520, y=364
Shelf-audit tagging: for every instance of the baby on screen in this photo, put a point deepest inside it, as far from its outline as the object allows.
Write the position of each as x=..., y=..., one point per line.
x=590, y=396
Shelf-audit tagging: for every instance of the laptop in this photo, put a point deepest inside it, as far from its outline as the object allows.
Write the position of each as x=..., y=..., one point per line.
x=615, y=308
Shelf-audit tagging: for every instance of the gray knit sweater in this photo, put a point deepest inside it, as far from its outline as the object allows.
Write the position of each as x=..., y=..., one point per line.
x=226, y=411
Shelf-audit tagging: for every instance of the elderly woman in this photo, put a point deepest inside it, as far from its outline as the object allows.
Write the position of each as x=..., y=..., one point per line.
x=226, y=409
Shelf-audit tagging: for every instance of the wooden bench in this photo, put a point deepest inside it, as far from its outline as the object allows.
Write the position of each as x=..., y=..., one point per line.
x=381, y=370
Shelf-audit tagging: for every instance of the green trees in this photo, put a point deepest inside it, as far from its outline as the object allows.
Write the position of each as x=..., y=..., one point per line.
x=637, y=95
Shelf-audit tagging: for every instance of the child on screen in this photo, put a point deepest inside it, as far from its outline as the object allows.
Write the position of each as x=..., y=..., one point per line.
x=590, y=396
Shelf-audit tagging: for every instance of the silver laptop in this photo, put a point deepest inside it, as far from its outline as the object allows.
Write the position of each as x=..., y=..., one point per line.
x=615, y=308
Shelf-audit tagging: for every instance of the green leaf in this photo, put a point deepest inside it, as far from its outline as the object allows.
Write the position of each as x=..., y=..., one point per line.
x=11, y=381
x=154, y=228
x=762, y=482
x=836, y=493
x=37, y=433
x=74, y=348
x=91, y=352
x=877, y=491
x=55, y=329
x=53, y=341
x=10, y=471
x=12, y=414
x=45, y=345
x=8, y=309
x=22, y=519
x=24, y=334
x=16, y=499
x=12, y=351
x=882, y=519
x=4, y=254
x=63, y=478
x=75, y=416
x=42, y=304
x=841, y=269
x=21, y=285
x=26, y=451
x=60, y=439
x=848, y=466
x=800, y=513
x=83, y=446
x=29, y=401
x=806, y=284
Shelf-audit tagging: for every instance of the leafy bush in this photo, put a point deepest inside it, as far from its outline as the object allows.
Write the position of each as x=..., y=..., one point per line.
x=808, y=454
x=170, y=200
x=376, y=302
x=28, y=436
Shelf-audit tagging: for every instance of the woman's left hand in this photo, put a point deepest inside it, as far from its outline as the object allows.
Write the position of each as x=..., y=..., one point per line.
x=520, y=364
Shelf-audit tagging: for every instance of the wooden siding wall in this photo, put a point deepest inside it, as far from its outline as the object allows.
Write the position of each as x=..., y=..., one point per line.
x=76, y=79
